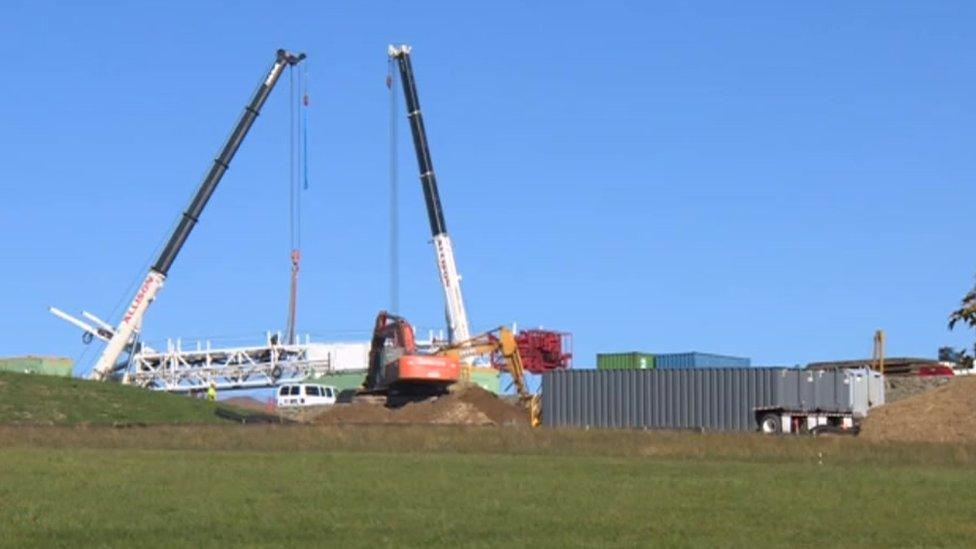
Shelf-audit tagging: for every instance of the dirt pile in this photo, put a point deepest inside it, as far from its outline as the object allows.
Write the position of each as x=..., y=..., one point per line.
x=901, y=387
x=464, y=405
x=944, y=414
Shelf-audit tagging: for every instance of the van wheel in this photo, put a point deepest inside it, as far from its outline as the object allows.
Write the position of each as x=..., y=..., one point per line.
x=771, y=424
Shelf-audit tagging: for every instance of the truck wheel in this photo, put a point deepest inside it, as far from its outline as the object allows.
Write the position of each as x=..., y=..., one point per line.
x=770, y=424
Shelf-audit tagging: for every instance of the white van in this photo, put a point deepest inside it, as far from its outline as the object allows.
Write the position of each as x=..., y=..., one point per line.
x=306, y=394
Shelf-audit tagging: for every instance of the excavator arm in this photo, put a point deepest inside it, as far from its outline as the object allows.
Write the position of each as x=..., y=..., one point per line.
x=501, y=343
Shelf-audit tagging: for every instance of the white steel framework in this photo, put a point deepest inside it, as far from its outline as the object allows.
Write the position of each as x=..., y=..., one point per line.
x=250, y=367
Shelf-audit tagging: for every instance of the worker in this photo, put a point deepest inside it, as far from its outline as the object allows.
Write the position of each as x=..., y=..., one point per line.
x=212, y=391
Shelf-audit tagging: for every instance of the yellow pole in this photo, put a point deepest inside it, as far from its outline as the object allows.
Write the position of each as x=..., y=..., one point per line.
x=879, y=350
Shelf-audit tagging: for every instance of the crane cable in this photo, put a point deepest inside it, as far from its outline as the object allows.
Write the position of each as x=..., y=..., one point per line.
x=391, y=85
x=297, y=181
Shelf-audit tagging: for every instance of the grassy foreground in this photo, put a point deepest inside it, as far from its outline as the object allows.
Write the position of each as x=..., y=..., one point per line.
x=210, y=486
x=44, y=400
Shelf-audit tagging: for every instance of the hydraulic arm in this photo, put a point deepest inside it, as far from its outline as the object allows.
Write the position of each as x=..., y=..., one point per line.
x=131, y=321
x=457, y=317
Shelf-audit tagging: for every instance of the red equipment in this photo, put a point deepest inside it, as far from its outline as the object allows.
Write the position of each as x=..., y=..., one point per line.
x=935, y=371
x=544, y=350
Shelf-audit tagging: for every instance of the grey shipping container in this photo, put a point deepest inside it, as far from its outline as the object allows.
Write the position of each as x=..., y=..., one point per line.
x=717, y=399
x=700, y=360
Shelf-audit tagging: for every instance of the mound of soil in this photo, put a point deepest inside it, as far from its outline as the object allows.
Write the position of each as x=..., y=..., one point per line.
x=944, y=414
x=901, y=387
x=464, y=405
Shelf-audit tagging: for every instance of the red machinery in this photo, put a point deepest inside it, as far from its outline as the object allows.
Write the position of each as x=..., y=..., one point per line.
x=935, y=371
x=544, y=350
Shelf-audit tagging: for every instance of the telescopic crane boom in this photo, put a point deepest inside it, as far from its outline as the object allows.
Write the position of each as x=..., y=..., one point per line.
x=457, y=317
x=132, y=318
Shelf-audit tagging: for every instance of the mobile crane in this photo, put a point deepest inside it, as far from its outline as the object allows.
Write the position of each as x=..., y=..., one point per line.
x=122, y=336
x=457, y=317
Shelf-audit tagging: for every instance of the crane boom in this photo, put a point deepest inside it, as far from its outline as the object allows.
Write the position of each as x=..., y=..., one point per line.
x=132, y=318
x=457, y=316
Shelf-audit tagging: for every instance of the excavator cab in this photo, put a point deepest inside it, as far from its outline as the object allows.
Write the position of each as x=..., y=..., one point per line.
x=396, y=368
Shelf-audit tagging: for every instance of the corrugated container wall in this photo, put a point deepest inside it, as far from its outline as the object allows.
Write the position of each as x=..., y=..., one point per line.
x=720, y=399
x=700, y=360
x=624, y=361
x=49, y=366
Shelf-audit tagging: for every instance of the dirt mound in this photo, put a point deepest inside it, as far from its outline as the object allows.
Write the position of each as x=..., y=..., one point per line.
x=944, y=414
x=901, y=387
x=464, y=405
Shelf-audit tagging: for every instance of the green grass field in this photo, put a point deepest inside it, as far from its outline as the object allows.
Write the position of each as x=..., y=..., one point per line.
x=221, y=486
x=169, y=473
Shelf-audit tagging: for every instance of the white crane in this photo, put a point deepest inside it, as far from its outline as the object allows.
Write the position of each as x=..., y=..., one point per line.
x=123, y=336
x=457, y=317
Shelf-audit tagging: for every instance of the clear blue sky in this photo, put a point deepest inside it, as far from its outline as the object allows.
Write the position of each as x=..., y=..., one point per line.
x=767, y=179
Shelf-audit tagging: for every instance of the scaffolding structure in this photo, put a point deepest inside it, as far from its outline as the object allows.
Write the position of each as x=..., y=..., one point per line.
x=179, y=370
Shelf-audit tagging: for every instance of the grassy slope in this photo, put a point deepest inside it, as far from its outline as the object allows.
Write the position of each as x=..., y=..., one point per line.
x=357, y=487
x=35, y=399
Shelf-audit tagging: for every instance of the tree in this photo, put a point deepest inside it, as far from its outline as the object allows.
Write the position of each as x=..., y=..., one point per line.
x=966, y=312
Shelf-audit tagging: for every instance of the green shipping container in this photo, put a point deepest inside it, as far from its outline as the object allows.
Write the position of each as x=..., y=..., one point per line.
x=487, y=379
x=625, y=361
x=43, y=365
x=341, y=381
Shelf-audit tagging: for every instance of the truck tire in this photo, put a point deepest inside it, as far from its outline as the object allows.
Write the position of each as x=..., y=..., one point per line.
x=770, y=424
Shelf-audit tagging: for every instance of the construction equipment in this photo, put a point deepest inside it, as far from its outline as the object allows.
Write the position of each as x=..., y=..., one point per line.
x=125, y=334
x=502, y=347
x=400, y=373
x=457, y=317
x=397, y=370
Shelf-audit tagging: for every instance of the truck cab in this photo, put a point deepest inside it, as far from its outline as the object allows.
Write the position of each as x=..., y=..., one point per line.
x=305, y=394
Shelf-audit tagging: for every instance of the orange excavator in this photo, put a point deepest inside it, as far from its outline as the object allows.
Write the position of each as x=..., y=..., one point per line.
x=398, y=373
x=396, y=370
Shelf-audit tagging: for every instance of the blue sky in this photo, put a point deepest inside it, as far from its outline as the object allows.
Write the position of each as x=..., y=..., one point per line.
x=772, y=180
